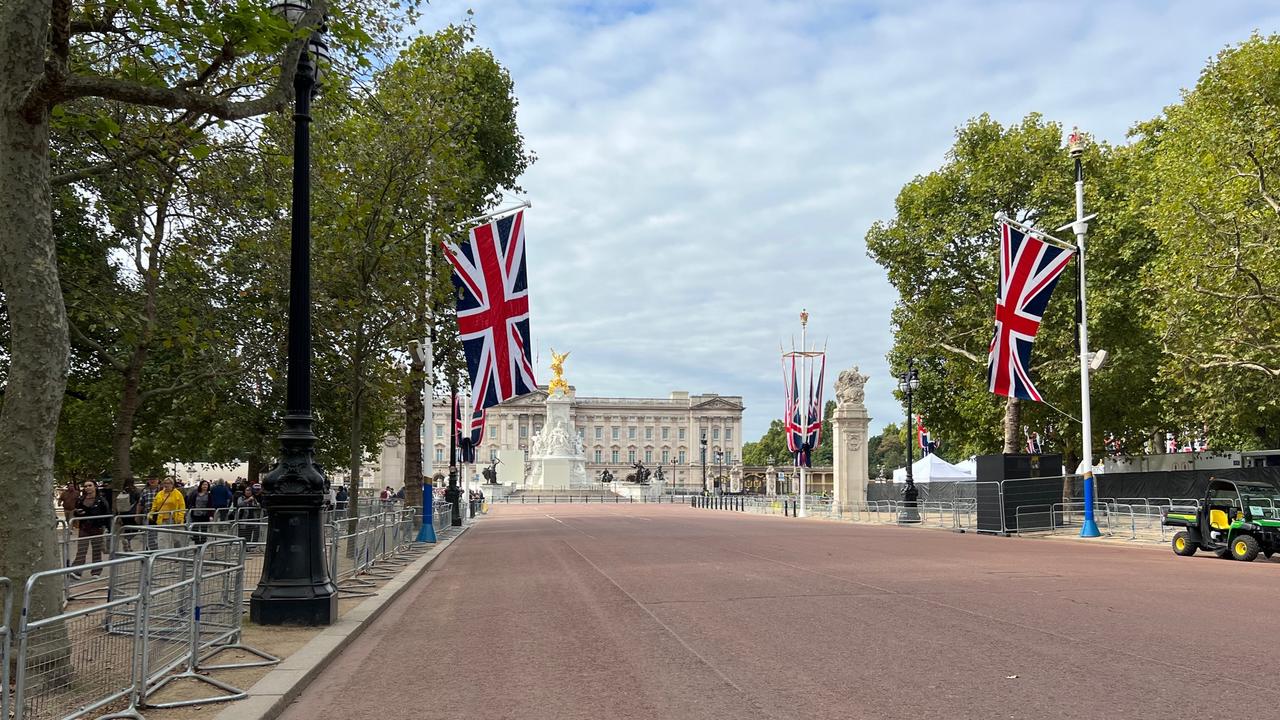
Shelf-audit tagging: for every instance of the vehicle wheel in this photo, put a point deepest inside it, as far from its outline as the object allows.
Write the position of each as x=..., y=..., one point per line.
x=1244, y=548
x=1182, y=545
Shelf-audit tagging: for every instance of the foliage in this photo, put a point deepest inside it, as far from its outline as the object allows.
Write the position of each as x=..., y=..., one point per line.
x=771, y=448
x=1208, y=190
x=886, y=451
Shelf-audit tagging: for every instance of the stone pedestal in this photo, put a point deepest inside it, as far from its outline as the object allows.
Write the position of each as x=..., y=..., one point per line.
x=556, y=459
x=849, y=425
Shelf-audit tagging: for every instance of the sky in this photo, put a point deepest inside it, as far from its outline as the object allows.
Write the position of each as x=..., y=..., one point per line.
x=708, y=168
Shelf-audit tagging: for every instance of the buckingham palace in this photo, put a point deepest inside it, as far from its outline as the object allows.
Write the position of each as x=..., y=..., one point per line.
x=616, y=433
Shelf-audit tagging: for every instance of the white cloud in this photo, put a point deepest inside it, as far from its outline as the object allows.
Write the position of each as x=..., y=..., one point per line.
x=706, y=168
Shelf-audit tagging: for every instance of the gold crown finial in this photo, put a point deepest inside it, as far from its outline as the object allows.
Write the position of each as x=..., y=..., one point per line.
x=557, y=369
x=804, y=317
x=1075, y=143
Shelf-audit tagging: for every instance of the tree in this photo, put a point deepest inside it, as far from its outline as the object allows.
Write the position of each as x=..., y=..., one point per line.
x=1210, y=194
x=886, y=451
x=939, y=252
x=189, y=58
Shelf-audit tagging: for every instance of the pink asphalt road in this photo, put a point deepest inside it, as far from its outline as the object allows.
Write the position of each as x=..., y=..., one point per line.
x=653, y=611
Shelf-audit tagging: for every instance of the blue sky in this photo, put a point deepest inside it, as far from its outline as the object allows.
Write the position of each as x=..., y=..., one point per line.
x=708, y=168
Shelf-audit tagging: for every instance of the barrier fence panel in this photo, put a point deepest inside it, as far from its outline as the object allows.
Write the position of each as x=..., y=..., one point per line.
x=72, y=662
x=6, y=603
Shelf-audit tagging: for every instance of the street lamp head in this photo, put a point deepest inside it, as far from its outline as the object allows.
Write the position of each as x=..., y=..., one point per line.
x=704, y=437
x=291, y=10
x=319, y=51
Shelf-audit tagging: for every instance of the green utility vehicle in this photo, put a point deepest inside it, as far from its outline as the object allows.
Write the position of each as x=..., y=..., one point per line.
x=1235, y=520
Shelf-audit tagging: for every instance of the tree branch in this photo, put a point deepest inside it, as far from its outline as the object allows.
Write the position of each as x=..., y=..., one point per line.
x=962, y=352
x=96, y=346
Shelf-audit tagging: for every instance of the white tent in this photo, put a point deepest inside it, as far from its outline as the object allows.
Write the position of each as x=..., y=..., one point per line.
x=930, y=468
x=970, y=466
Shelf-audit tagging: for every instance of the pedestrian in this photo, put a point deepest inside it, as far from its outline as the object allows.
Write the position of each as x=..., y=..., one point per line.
x=220, y=497
x=198, y=503
x=70, y=495
x=400, y=494
x=247, y=516
x=330, y=496
x=145, y=499
x=168, y=510
x=340, y=497
x=92, y=516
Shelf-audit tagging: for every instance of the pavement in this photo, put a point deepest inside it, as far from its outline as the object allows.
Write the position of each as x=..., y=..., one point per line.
x=653, y=611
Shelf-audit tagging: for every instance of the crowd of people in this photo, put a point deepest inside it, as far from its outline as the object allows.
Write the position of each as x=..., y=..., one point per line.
x=91, y=508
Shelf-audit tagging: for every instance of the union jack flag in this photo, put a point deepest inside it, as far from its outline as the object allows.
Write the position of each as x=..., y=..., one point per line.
x=493, y=310
x=791, y=413
x=1029, y=269
x=813, y=437
x=925, y=443
x=467, y=435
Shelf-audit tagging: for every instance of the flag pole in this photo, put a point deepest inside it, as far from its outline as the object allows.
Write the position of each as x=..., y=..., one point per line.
x=1089, y=528
x=803, y=399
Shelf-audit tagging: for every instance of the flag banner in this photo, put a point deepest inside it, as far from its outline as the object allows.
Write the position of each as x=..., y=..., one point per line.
x=493, y=310
x=923, y=433
x=1029, y=269
x=813, y=436
x=791, y=413
x=467, y=435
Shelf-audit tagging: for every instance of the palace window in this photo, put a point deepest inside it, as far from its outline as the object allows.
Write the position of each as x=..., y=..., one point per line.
x=715, y=433
x=631, y=456
x=666, y=456
x=615, y=432
x=631, y=433
x=599, y=432
x=666, y=433
x=648, y=433
x=524, y=431
x=598, y=454
x=439, y=454
x=439, y=431
x=728, y=433
x=681, y=457
x=681, y=433
x=493, y=454
x=615, y=457
x=648, y=456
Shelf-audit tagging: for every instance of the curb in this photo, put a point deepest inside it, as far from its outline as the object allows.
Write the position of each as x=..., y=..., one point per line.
x=272, y=695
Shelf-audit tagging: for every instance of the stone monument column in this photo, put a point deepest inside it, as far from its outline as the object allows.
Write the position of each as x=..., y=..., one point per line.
x=849, y=426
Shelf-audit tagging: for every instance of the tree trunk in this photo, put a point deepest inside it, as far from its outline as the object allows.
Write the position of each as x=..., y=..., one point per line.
x=38, y=343
x=1012, y=424
x=414, y=413
x=122, y=434
x=255, y=469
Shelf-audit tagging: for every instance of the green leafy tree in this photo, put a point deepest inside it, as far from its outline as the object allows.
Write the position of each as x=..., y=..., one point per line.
x=1209, y=168
x=940, y=253
x=886, y=451
x=225, y=60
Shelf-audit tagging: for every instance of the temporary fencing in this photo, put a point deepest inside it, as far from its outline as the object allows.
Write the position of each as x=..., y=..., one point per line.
x=6, y=603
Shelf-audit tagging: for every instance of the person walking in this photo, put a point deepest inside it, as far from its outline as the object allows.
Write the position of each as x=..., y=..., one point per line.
x=91, y=516
x=169, y=509
x=220, y=499
x=145, y=499
x=70, y=495
x=198, y=502
x=247, y=515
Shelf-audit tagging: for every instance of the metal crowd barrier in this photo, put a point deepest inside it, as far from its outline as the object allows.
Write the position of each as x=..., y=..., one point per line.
x=7, y=605
x=158, y=612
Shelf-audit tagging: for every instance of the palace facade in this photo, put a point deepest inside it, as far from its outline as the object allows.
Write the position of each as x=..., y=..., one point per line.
x=616, y=433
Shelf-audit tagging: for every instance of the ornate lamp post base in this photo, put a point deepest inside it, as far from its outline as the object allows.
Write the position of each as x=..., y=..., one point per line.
x=909, y=513
x=295, y=588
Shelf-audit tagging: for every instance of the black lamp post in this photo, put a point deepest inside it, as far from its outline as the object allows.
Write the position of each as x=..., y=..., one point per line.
x=908, y=383
x=295, y=588
x=719, y=472
x=704, y=461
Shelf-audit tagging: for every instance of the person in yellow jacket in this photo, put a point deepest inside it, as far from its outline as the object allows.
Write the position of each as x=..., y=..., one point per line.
x=169, y=508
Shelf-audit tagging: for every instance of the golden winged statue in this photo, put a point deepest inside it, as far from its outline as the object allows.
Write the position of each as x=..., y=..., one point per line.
x=557, y=369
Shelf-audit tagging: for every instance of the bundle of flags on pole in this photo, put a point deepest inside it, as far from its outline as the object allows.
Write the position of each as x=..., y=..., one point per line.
x=803, y=431
x=491, y=280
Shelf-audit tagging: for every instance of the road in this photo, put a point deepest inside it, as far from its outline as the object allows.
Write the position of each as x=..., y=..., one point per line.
x=654, y=611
